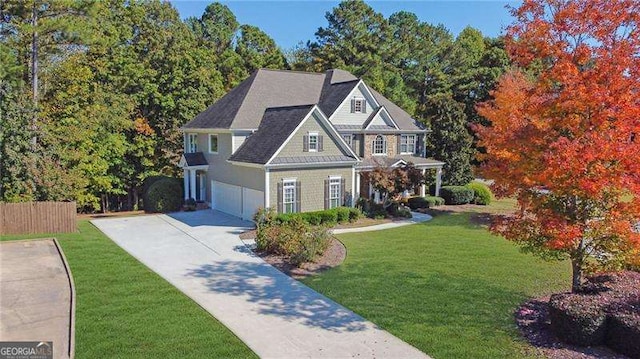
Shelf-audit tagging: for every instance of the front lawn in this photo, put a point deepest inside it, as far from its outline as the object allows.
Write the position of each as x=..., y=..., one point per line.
x=447, y=286
x=125, y=310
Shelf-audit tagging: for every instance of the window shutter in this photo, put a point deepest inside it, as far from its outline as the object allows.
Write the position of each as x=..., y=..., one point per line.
x=342, y=190
x=364, y=106
x=326, y=194
x=305, y=143
x=320, y=145
x=298, y=197
x=399, y=142
x=279, y=197
x=353, y=105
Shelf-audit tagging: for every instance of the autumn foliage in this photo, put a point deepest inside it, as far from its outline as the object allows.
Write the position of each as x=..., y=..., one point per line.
x=565, y=131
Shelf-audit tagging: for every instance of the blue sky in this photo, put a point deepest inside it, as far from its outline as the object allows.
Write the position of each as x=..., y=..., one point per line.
x=289, y=22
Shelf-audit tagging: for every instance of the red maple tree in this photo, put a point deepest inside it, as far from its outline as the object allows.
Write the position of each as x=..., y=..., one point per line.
x=565, y=131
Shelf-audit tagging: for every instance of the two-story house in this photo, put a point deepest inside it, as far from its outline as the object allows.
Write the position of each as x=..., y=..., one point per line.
x=297, y=142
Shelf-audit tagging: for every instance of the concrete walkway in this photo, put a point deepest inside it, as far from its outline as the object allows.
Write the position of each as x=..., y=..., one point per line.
x=417, y=218
x=276, y=316
x=35, y=295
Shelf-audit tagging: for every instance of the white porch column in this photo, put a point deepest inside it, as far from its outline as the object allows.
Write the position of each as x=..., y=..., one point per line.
x=423, y=187
x=356, y=190
x=438, y=180
x=192, y=184
x=186, y=183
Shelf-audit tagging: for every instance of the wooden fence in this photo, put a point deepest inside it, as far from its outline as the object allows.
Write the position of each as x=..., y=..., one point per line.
x=37, y=217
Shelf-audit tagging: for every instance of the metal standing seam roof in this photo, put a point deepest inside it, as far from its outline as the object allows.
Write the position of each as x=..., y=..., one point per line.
x=195, y=159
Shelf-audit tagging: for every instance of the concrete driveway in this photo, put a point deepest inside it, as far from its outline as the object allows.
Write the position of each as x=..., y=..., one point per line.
x=276, y=316
x=35, y=295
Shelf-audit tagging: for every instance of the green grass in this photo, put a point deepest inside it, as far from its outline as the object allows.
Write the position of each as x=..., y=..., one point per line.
x=124, y=310
x=447, y=286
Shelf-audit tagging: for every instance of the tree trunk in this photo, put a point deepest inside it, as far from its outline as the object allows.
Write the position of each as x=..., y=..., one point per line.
x=577, y=262
x=576, y=282
x=34, y=73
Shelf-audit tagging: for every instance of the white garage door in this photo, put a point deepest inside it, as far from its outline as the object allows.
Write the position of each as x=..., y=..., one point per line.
x=251, y=201
x=227, y=198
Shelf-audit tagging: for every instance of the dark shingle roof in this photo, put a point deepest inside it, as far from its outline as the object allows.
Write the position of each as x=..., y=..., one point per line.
x=276, y=126
x=244, y=106
x=195, y=159
x=384, y=161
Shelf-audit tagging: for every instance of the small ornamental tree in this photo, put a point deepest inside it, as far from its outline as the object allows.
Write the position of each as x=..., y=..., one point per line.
x=391, y=182
x=564, y=136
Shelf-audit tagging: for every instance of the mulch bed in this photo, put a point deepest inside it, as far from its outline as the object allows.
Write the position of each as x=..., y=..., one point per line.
x=532, y=319
x=332, y=257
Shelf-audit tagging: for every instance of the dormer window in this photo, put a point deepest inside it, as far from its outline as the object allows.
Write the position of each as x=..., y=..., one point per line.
x=358, y=105
x=379, y=145
x=192, y=143
x=313, y=142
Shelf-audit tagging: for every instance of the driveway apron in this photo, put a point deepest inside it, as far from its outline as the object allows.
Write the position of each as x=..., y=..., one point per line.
x=201, y=254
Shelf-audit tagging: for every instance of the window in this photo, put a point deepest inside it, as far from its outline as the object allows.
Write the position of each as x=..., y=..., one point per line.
x=358, y=105
x=313, y=142
x=192, y=143
x=334, y=192
x=379, y=145
x=289, y=196
x=213, y=143
x=348, y=139
x=408, y=144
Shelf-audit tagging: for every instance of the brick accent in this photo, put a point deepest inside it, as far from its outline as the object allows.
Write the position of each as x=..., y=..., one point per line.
x=392, y=145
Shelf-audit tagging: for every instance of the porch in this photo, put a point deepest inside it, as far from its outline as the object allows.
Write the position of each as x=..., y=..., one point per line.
x=195, y=168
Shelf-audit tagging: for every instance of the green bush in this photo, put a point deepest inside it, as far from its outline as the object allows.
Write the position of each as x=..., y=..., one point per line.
x=403, y=212
x=425, y=202
x=456, y=194
x=328, y=217
x=354, y=214
x=190, y=205
x=164, y=195
x=342, y=214
x=481, y=193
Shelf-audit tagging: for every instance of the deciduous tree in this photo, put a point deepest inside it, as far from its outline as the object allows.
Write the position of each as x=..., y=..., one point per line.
x=565, y=141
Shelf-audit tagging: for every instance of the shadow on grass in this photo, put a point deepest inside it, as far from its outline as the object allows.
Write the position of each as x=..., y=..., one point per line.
x=278, y=295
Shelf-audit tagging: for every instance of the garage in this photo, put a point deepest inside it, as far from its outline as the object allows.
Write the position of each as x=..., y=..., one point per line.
x=235, y=200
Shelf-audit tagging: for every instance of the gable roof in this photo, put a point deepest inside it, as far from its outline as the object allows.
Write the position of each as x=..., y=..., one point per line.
x=244, y=106
x=370, y=122
x=276, y=126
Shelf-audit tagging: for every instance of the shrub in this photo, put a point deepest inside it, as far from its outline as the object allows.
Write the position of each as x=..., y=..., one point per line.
x=403, y=212
x=623, y=332
x=425, y=202
x=328, y=217
x=578, y=320
x=190, y=205
x=312, y=218
x=342, y=214
x=164, y=195
x=295, y=239
x=481, y=193
x=354, y=214
x=377, y=211
x=456, y=194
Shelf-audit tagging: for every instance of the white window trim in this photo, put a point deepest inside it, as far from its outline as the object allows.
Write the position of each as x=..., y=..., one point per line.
x=192, y=146
x=289, y=183
x=217, y=142
x=339, y=185
x=348, y=141
x=312, y=134
x=384, y=145
x=355, y=101
x=415, y=140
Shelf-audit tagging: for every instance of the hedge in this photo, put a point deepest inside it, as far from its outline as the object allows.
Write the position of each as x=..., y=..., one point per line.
x=164, y=195
x=456, y=194
x=295, y=239
x=481, y=193
x=425, y=202
x=578, y=320
x=623, y=333
x=327, y=217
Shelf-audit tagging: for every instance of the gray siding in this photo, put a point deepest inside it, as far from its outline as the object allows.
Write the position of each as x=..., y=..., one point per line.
x=312, y=184
x=294, y=147
x=223, y=171
x=343, y=115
